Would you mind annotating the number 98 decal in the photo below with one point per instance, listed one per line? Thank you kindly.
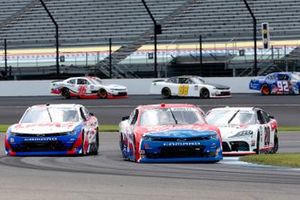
(283, 86)
(183, 90)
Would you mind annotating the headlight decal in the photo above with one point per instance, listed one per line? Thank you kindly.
(245, 133)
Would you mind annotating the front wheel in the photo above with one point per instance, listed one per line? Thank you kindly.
(166, 93)
(276, 144)
(204, 93)
(95, 146)
(258, 143)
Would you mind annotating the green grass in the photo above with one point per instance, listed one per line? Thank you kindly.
(280, 159)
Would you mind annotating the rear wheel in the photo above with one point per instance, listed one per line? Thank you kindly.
(65, 92)
(265, 90)
(102, 93)
(204, 93)
(166, 93)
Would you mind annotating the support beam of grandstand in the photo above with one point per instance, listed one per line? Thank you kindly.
(200, 54)
(254, 37)
(56, 35)
(110, 58)
(5, 56)
(155, 37)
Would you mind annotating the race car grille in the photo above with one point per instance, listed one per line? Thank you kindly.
(178, 152)
(40, 146)
(227, 93)
(235, 146)
(164, 139)
(40, 135)
(239, 146)
(122, 93)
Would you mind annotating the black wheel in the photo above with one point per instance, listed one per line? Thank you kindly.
(257, 143)
(265, 90)
(65, 92)
(83, 152)
(204, 93)
(276, 144)
(166, 93)
(95, 146)
(122, 147)
(102, 93)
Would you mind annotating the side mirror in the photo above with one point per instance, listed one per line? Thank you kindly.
(125, 118)
(271, 117)
(92, 114)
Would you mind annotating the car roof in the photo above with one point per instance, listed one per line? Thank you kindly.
(236, 108)
(84, 77)
(163, 105)
(186, 76)
(57, 106)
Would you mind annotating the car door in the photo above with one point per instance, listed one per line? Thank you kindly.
(90, 126)
(183, 86)
(128, 134)
(266, 137)
(83, 87)
(283, 83)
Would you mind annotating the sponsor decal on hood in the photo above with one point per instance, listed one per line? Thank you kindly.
(44, 128)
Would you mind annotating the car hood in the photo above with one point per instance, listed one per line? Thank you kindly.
(44, 128)
(228, 131)
(172, 130)
(219, 86)
(181, 133)
(116, 86)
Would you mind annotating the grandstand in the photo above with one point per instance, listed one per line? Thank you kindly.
(90, 23)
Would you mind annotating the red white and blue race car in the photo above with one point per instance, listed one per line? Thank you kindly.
(56, 129)
(87, 88)
(169, 133)
(245, 130)
(277, 83)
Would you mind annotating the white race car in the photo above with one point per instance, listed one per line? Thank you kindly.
(188, 86)
(87, 88)
(245, 130)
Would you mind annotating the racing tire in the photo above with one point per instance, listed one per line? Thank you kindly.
(65, 92)
(166, 93)
(204, 93)
(122, 147)
(276, 144)
(257, 151)
(83, 152)
(265, 90)
(102, 93)
(95, 146)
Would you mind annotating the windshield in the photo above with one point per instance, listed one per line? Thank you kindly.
(198, 80)
(48, 115)
(230, 117)
(167, 116)
(96, 80)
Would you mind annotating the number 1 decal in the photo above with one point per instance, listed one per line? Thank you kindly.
(183, 90)
(283, 86)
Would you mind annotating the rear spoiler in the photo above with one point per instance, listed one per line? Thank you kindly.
(160, 80)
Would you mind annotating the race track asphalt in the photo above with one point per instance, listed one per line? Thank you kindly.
(286, 109)
(107, 176)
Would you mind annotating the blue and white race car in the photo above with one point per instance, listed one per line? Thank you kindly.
(55, 129)
(277, 83)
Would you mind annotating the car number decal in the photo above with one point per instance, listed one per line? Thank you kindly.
(183, 90)
(283, 86)
(82, 90)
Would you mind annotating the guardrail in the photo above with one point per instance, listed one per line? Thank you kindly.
(135, 86)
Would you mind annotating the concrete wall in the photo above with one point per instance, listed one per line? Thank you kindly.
(135, 86)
